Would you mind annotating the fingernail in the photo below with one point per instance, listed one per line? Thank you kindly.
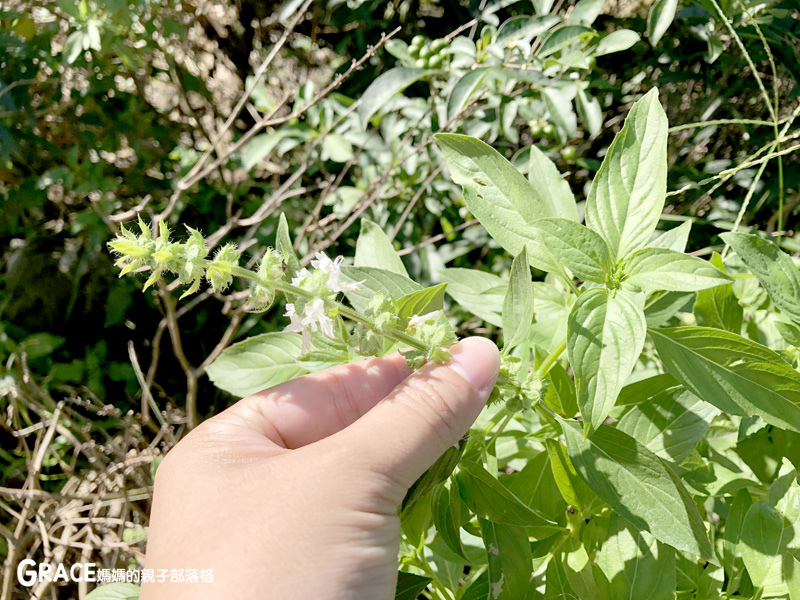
(477, 360)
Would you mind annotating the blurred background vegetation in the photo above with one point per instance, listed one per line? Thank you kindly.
(224, 115)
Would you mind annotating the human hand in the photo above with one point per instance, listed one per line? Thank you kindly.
(292, 493)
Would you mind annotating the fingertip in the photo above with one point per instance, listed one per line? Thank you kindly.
(477, 360)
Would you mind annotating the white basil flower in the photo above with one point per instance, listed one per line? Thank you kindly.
(334, 270)
(314, 318)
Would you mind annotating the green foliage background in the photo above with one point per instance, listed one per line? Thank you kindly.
(107, 109)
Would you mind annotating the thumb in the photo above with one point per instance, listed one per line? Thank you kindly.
(424, 415)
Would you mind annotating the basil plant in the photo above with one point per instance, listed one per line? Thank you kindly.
(642, 440)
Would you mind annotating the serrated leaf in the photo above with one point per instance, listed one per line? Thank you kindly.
(662, 12)
(552, 189)
(518, 303)
(498, 195)
(733, 373)
(478, 292)
(718, 307)
(373, 249)
(535, 485)
(627, 194)
(660, 307)
(509, 556)
(662, 269)
(774, 269)
(257, 363)
(385, 87)
(670, 423)
(731, 559)
(491, 500)
(605, 335)
(636, 564)
(638, 486)
(389, 283)
(581, 250)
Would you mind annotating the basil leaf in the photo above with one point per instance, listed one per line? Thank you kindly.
(491, 500)
(718, 307)
(373, 249)
(518, 303)
(773, 267)
(627, 194)
(662, 269)
(552, 189)
(510, 563)
(257, 363)
(636, 564)
(372, 280)
(478, 292)
(605, 335)
(385, 87)
(733, 373)
(577, 247)
(670, 423)
(421, 302)
(498, 195)
(638, 486)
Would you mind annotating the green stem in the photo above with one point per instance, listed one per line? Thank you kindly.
(500, 429)
(288, 288)
(552, 358)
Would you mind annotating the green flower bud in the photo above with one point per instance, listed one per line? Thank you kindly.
(437, 45)
(219, 271)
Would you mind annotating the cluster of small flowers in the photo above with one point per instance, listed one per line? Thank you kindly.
(313, 310)
(433, 330)
(369, 341)
(307, 315)
(518, 386)
(187, 260)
